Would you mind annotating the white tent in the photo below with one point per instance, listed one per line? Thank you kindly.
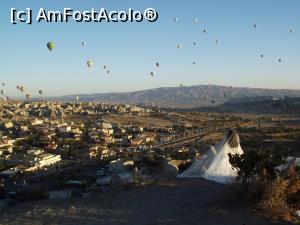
(215, 164)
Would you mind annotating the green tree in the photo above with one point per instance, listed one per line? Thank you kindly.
(257, 165)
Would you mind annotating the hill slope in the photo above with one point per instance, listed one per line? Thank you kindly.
(185, 97)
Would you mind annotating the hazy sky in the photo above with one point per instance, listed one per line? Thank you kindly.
(130, 50)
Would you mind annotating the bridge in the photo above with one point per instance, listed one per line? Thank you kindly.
(201, 132)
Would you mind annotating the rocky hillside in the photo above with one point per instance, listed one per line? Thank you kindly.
(187, 97)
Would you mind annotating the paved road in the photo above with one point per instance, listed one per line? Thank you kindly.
(203, 132)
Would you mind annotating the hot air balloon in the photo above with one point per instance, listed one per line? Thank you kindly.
(22, 89)
(217, 41)
(175, 19)
(195, 21)
(205, 31)
(2, 92)
(83, 44)
(194, 63)
(179, 46)
(261, 56)
(40, 92)
(280, 60)
(50, 46)
(108, 72)
(28, 96)
(254, 25)
(3, 84)
(104, 67)
(157, 64)
(18, 87)
(194, 43)
(152, 74)
(89, 64)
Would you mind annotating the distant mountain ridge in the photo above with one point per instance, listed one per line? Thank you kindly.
(187, 96)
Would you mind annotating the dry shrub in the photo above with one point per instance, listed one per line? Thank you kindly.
(274, 200)
(276, 193)
(281, 197)
(293, 194)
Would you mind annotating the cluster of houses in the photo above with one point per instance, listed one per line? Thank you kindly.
(52, 109)
(38, 139)
(34, 135)
(32, 160)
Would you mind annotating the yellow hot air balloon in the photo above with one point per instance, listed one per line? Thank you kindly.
(50, 46)
(89, 63)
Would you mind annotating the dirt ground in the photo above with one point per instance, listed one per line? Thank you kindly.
(138, 120)
(180, 202)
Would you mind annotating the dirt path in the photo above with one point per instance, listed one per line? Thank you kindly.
(184, 202)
